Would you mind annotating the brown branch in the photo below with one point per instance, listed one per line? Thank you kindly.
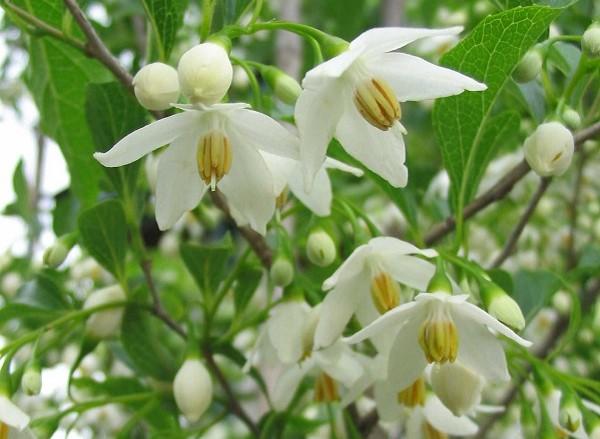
(516, 233)
(500, 189)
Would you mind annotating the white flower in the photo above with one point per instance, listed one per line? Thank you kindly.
(549, 149)
(210, 146)
(106, 323)
(205, 73)
(366, 283)
(11, 416)
(355, 95)
(440, 328)
(192, 389)
(288, 173)
(552, 402)
(156, 86)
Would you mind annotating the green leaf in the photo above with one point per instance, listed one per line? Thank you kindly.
(64, 214)
(111, 114)
(565, 57)
(533, 290)
(103, 232)
(22, 203)
(43, 293)
(246, 284)
(166, 18)
(207, 263)
(465, 126)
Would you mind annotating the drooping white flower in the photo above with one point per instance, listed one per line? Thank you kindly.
(156, 86)
(355, 97)
(11, 416)
(458, 387)
(441, 328)
(210, 146)
(288, 173)
(105, 323)
(366, 283)
(192, 389)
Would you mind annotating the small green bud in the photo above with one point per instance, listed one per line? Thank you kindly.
(320, 248)
(282, 272)
(333, 46)
(500, 305)
(529, 67)
(569, 416)
(56, 254)
(571, 118)
(440, 282)
(31, 381)
(285, 87)
(590, 41)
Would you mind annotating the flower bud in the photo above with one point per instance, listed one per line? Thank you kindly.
(105, 323)
(58, 252)
(156, 86)
(569, 416)
(282, 272)
(549, 149)
(440, 282)
(529, 67)
(31, 381)
(500, 305)
(571, 118)
(285, 87)
(205, 73)
(192, 389)
(320, 248)
(590, 41)
(458, 387)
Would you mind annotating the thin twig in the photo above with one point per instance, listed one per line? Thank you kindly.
(516, 233)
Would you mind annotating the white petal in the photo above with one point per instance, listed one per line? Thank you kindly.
(264, 133)
(318, 199)
(286, 386)
(553, 406)
(382, 152)
(340, 363)
(12, 415)
(477, 314)
(366, 313)
(336, 164)
(317, 113)
(443, 420)
(215, 108)
(409, 270)
(147, 139)
(282, 169)
(351, 266)
(479, 350)
(356, 389)
(385, 39)
(414, 79)
(179, 186)
(332, 68)
(406, 361)
(337, 308)
(386, 400)
(249, 185)
(387, 244)
(286, 328)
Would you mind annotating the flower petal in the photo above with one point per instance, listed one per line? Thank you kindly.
(147, 139)
(340, 363)
(179, 187)
(333, 68)
(409, 270)
(351, 266)
(382, 152)
(414, 79)
(264, 133)
(386, 400)
(406, 361)
(248, 186)
(282, 169)
(317, 113)
(286, 329)
(336, 164)
(337, 308)
(12, 415)
(385, 39)
(443, 420)
(286, 387)
(318, 199)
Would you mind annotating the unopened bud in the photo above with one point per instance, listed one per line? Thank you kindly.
(440, 282)
(562, 302)
(458, 387)
(156, 86)
(282, 272)
(500, 305)
(192, 389)
(549, 150)
(320, 248)
(571, 118)
(529, 67)
(31, 382)
(56, 254)
(205, 73)
(285, 87)
(569, 416)
(590, 41)
(105, 323)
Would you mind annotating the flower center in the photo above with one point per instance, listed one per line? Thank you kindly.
(430, 432)
(213, 156)
(377, 103)
(413, 395)
(326, 389)
(3, 431)
(385, 292)
(438, 337)
(282, 198)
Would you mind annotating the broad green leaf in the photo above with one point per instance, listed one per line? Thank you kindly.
(466, 127)
(42, 292)
(34, 316)
(565, 56)
(103, 232)
(166, 17)
(207, 263)
(247, 282)
(533, 290)
(111, 114)
(22, 204)
(64, 214)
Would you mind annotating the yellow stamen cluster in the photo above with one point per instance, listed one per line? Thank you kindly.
(414, 394)
(326, 389)
(385, 292)
(3, 431)
(438, 338)
(377, 103)
(430, 432)
(281, 198)
(213, 156)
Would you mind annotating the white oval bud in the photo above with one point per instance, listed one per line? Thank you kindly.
(205, 73)
(320, 248)
(282, 272)
(31, 382)
(590, 41)
(56, 254)
(457, 387)
(549, 149)
(505, 309)
(529, 67)
(192, 389)
(105, 323)
(156, 86)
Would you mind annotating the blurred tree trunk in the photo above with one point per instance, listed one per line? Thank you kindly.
(288, 54)
(392, 12)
